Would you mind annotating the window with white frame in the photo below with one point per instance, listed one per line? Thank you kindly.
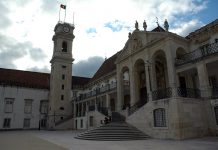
(7, 123)
(26, 122)
(216, 114)
(43, 106)
(28, 106)
(9, 105)
(159, 117)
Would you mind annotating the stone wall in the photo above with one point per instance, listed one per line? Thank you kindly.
(19, 94)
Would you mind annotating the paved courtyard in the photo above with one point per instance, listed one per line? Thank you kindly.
(64, 140)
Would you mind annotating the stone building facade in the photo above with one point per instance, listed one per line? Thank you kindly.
(164, 84)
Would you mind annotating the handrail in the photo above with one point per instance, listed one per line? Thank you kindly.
(188, 92)
(64, 120)
(162, 93)
(136, 106)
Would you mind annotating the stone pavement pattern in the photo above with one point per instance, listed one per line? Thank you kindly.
(62, 140)
(22, 140)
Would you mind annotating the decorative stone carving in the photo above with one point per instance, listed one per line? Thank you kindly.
(136, 25)
(166, 25)
(144, 25)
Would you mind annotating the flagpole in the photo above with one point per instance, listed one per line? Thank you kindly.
(65, 15)
(59, 14)
(73, 18)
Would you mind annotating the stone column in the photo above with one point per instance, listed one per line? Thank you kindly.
(119, 89)
(74, 108)
(133, 97)
(203, 79)
(171, 70)
(148, 81)
(82, 108)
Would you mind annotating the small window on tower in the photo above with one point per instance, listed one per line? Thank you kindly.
(63, 76)
(62, 87)
(63, 66)
(62, 97)
(64, 46)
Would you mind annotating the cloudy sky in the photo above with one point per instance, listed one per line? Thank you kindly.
(102, 27)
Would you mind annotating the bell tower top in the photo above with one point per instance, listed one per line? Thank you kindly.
(63, 28)
(63, 40)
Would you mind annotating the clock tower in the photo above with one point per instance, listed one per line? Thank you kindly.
(60, 106)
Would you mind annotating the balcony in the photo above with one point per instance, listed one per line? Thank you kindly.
(188, 92)
(104, 89)
(197, 54)
(162, 94)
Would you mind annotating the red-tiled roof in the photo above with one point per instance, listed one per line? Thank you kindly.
(32, 79)
(107, 67)
(79, 81)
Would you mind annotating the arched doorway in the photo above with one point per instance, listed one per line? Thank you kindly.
(160, 70)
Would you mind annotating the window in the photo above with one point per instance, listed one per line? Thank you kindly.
(91, 121)
(26, 123)
(62, 97)
(81, 123)
(61, 108)
(159, 117)
(63, 66)
(62, 118)
(28, 106)
(63, 76)
(64, 46)
(7, 123)
(43, 106)
(9, 105)
(216, 114)
(62, 87)
(43, 123)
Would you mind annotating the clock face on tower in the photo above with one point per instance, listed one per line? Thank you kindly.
(66, 29)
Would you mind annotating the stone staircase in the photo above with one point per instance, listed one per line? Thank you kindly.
(117, 130)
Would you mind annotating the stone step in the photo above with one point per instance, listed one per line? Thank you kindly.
(113, 132)
(112, 138)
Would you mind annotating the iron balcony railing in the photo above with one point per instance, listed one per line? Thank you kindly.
(106, 88)
(188, 92)
(162, 94)
(197, 54)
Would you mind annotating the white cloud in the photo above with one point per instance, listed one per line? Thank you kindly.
(184, 28)
(33, 21)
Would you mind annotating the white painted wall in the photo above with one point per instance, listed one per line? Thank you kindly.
(18, 115)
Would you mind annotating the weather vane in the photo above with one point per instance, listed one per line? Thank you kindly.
(157, 22)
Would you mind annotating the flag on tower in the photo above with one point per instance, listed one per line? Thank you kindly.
(63, 6)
